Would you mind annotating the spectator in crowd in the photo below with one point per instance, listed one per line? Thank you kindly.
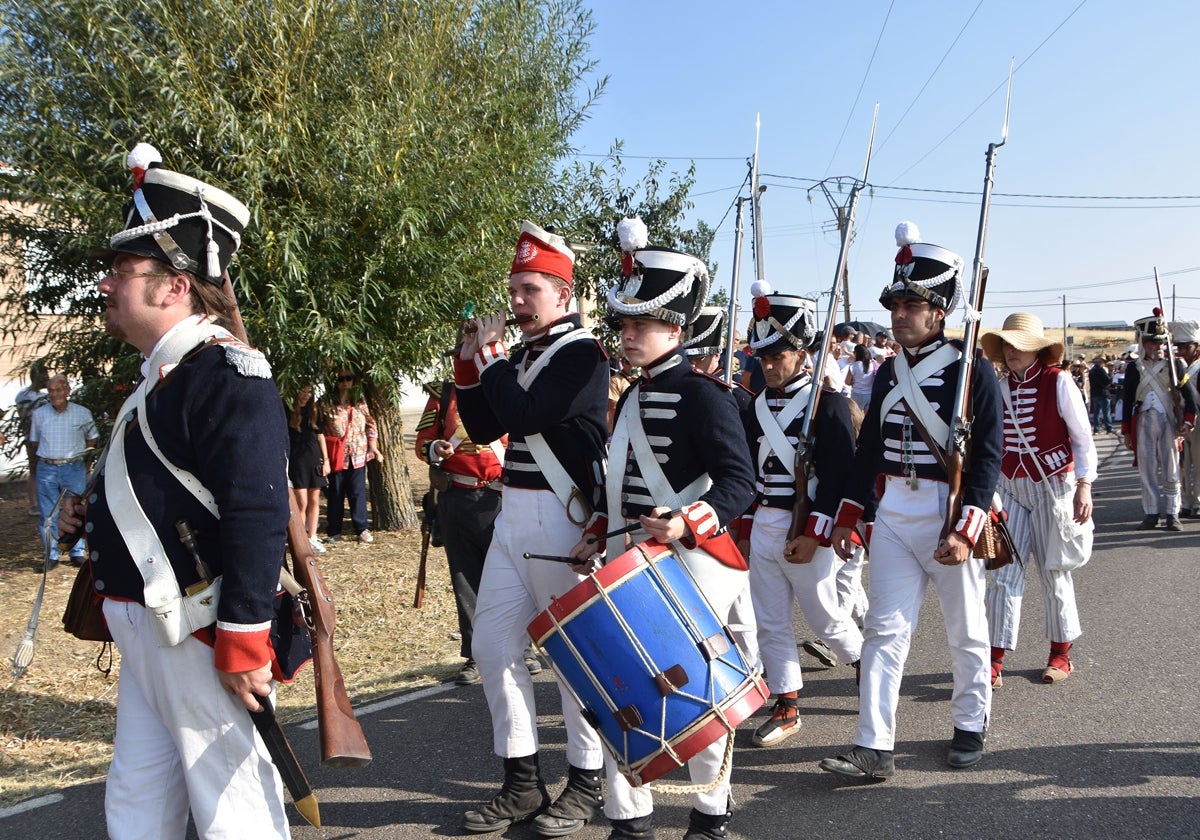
(882, 348)
(861, 376)
(63, 433)
(351, 440)
(29, 398)
(308, 461)
(1099, 381)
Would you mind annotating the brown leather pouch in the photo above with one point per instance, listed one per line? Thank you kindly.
(83, 617)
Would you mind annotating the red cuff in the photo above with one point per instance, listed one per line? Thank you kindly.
(819, 527)
(236, 651)
(970, 526)
(488, 355)
(701, 521)
(848, 514)
(466, 375)
(597, 526)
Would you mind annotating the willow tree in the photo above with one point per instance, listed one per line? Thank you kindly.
(387, 151)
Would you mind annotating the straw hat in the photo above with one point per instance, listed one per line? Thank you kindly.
(1024, 332)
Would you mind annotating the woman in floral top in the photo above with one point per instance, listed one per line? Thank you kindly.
(351, 440)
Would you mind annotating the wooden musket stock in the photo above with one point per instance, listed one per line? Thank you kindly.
(342, 741)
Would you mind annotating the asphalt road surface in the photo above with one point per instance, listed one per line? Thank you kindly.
(1113, 752)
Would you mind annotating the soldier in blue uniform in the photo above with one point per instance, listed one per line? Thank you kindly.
(550, 397)
(202, 444)
(803, 571)
(913, 398)
(694, 460)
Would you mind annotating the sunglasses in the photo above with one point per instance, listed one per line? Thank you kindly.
(345, 379)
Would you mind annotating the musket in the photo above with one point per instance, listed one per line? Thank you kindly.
(342, 741)
(804, 447)
(960, 430)
(1176, 394)
(426, 536)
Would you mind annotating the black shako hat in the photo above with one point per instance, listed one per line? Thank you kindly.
(658, 283)
(781, 322)
(923, 271)
(706, 336)
(178, 219)
(1152, 327)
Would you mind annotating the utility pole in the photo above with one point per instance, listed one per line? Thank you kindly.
(1066, 343)
(842, 221)
(731, 325)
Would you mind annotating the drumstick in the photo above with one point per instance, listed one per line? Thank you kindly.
(557, 558)
(635, 526)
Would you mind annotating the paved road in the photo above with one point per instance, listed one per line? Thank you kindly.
(1113, 752)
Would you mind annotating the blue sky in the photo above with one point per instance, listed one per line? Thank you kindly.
(1104, 104)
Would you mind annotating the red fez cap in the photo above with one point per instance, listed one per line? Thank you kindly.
(541, 250)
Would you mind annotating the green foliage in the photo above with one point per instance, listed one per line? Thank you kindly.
(386, 150)
(591, 198)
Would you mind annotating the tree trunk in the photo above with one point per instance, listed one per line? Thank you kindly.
(390, 485)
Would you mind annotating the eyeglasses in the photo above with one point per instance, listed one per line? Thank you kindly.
(121, 274)
(345, 379)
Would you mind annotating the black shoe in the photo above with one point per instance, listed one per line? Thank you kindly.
(703, 826)
(862, 763)
(469, 675)
(1185, 513)
(578, 804)
(966, 749)
(638, 828)
(1171, 523)
(522, 795)
(821, 652)
(1149, 523)
(532, 663)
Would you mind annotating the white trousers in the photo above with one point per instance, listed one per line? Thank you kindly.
(183, 740)
(1189, 471)
(723, 588)
(1158, 463)
(1006, 586)
(906, 533)
(852, 597)
(513, 592)
(775, 584)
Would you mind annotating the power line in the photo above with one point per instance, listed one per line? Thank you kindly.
(861, 85)
(1026, 60)
(945, 55)
(1063, 197)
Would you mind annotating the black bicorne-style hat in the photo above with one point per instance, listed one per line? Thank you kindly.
(1153, 327)
(178, 219)
(706, 334)
(658, 283)
(781, 322)
(923, 271)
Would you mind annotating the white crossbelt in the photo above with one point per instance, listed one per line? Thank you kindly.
(177, 616)
(549, 465)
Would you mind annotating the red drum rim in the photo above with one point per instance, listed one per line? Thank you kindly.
(745, 701)
(591, 589)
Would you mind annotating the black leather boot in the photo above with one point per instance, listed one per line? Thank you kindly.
(703, 826)
(521, 796)
(638, 828)
(578, 804)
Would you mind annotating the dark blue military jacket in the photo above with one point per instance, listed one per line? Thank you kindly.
(692, 423)
(833, 448)
(882, 451)
(567, 403)
(230, 431)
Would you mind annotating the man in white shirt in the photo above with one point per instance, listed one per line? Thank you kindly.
(62, 433)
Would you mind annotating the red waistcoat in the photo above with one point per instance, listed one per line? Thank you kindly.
(1035, 402)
